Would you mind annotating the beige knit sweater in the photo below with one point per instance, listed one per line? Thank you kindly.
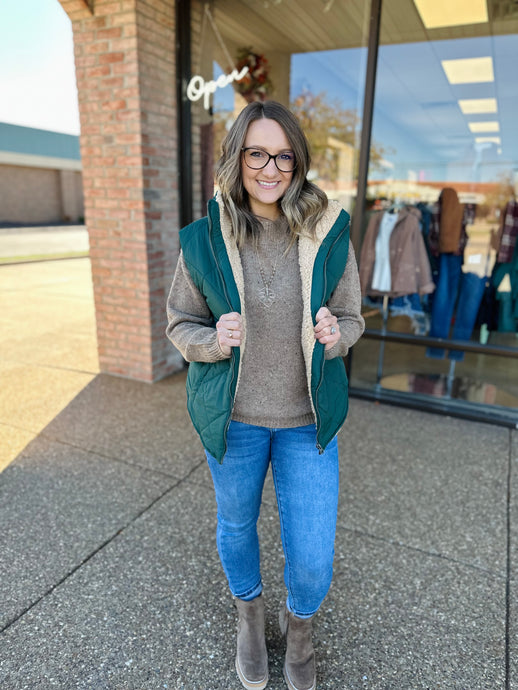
(273, 388)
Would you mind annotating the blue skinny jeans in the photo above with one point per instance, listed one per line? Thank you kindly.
(306, 486)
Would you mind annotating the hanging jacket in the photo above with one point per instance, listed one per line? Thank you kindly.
(409, 264)
(448, 227)
(212, 259)
(507, 233)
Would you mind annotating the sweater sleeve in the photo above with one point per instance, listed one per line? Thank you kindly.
(191, 325)
(345, 304)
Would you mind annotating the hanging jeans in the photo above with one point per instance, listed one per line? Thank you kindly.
(454, 288)
(444, 298)
(306, 486)
(470, 296)
(411, 306)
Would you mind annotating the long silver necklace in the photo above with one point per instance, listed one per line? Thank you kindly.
(266, 294)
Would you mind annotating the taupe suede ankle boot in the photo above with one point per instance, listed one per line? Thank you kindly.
(299, 666)
(251, 657)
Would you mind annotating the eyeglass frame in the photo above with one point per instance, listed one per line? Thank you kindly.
(270, 156)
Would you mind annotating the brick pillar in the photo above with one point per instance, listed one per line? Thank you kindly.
(125, 69)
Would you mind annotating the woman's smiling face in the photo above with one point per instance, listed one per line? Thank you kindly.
(266, 186)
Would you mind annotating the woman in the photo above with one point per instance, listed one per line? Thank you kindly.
(264, 303)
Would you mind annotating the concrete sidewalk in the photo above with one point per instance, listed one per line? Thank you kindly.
(40, 242)
(109, 573)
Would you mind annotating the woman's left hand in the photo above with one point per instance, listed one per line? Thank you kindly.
(327, 330)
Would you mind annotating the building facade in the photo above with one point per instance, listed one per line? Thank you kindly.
(409, 109)
(40, 177)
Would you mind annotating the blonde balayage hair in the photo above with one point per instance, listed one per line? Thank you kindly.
(303, 204)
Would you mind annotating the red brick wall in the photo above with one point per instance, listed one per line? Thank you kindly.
(198, 46)
(125, 68)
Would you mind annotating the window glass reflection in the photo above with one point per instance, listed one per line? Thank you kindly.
(442, 201)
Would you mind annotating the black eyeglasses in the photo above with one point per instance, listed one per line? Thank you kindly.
(258, 159)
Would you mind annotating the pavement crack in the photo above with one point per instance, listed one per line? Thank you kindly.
(98, 549)
(106, 456)
(425, 552)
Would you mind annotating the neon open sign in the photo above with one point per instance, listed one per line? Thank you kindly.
(199, 88)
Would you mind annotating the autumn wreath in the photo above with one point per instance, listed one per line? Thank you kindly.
(256, 84)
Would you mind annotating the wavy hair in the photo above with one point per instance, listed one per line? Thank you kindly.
(303, 204)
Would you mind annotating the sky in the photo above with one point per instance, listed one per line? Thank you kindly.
(37, 76)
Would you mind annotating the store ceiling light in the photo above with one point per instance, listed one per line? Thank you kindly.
(476, 127)
(490, 140)
(440, 13)
(471, 106)
(469, 70)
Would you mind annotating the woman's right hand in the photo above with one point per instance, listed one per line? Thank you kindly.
(230, 331)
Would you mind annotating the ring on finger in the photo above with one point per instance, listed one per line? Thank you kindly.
(332, 330)
(230, 334)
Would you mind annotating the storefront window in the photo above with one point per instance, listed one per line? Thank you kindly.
(309, 55)
(439, 256)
